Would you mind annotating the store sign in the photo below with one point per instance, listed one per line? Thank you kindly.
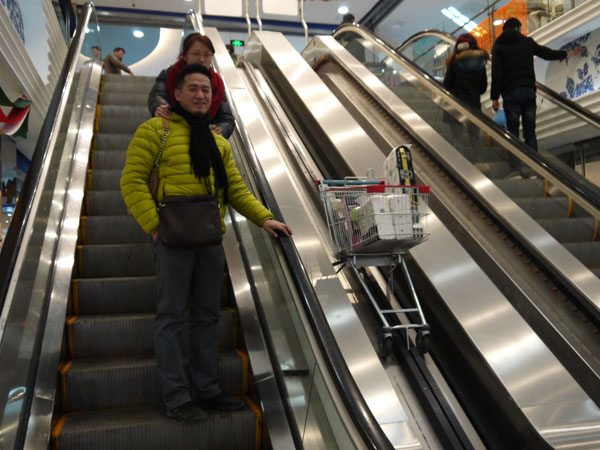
(282, 7)
(231, 8)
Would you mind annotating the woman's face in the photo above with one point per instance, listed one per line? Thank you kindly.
(198, 53)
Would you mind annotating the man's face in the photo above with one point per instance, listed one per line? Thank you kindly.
(195, 94)
(96, 52)
(120, 54)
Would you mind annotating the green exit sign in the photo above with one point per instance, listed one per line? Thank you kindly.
(237, 43)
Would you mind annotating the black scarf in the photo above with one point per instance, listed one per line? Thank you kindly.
(204, 152)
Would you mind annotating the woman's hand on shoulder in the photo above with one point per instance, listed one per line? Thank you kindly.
(163, 111)
(272, 226)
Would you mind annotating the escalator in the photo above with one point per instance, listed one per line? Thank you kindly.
(472, 314)
(77, 290)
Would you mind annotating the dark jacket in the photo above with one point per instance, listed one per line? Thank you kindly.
(112, 64)
(466, 76)
(512, 61)
(159, 95)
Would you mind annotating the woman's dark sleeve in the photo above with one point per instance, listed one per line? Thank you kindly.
(449, 77)
(483, 83)
(159, 94)
(224, 119)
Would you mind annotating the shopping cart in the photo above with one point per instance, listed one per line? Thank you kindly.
(374, 224)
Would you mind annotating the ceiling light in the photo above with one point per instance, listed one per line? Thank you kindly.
(447, 13)
(138, 33)
(87, 30)
(498, 22)
(343, 10)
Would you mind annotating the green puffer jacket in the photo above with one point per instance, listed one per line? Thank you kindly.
(175, 174)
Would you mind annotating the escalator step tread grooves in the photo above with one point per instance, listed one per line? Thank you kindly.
(109, 392)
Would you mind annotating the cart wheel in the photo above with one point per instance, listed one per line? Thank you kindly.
(385, 346)
(423, 341)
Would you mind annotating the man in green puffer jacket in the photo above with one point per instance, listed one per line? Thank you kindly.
(193, 161)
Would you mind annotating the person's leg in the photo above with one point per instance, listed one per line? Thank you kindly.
(529, 112)
(173, 275)
(205, 296)
(512, 109)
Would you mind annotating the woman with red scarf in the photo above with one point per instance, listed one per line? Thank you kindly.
(197, 48)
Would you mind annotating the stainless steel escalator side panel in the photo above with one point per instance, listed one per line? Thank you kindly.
(550, 249)
(532, 375)
(74, 169)
(277, 427)
(310, 238)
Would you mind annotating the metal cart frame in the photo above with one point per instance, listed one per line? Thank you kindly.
(374, 224)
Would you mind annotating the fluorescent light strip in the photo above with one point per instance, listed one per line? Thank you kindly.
(459, 19)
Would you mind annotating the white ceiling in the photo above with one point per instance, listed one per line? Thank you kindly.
(315, 11)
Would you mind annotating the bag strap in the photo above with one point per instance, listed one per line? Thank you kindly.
(162, 142)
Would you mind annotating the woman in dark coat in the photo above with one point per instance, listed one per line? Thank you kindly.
(197, 48)
(466, 78)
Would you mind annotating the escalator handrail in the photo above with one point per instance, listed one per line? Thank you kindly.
(584, 192)
(562, 102)
(362, 417)
(16, 230)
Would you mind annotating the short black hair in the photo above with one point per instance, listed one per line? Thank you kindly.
(348, 18)
(511, 23)
(119, 48)
(190, 69)
(96, 47)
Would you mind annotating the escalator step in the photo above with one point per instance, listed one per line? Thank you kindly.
(586, 252)
(104, 180)
(123, 98)
(544, 207)
(111, 230)
(570, 230)
(105, 261)
(114, 295)
(129, 334)
(105, 203)
(129, 382)
(131, 111)
(109, 159)
(528, 187)
(150, 429)
(120, 125)
(114, 141)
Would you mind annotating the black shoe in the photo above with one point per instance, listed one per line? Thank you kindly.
(223, 403)
(188, 412)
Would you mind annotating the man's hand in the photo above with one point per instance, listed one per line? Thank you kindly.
(576, 51)
(495, 105)
(217, 130)
(271, 226)
(163, 111)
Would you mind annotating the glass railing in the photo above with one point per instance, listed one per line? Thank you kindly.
(319, 425)
(26, 286)
(563, 128)
(482, 18)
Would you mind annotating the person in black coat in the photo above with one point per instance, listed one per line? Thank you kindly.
(466, 78)
(513, 77)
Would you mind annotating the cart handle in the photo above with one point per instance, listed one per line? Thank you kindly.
(372, 186)
(348, 182)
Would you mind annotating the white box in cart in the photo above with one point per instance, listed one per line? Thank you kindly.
(400, 207)
(374, 218)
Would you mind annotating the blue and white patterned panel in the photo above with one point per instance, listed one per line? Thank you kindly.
(578, 75)
(14, 12)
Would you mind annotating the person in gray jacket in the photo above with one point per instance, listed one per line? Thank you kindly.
(197, 48)
(113, 64)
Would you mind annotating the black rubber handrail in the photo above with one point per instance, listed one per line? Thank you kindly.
(16, 229)
(357, 407)
(373, 436)
(568, 178)
(562, 102)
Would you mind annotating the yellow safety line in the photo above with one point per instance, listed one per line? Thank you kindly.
(57, 430)
(80, 259)
(570, 209)
(63, 381)
(245, 368)
(596, 226)
(258, 422)
(70, 341)
(546, 187)
(75, 295)
(83, 230)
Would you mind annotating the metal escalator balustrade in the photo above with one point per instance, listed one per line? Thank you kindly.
(546, 189)
(470, 302)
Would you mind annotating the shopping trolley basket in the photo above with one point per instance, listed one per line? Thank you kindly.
(374, 224)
